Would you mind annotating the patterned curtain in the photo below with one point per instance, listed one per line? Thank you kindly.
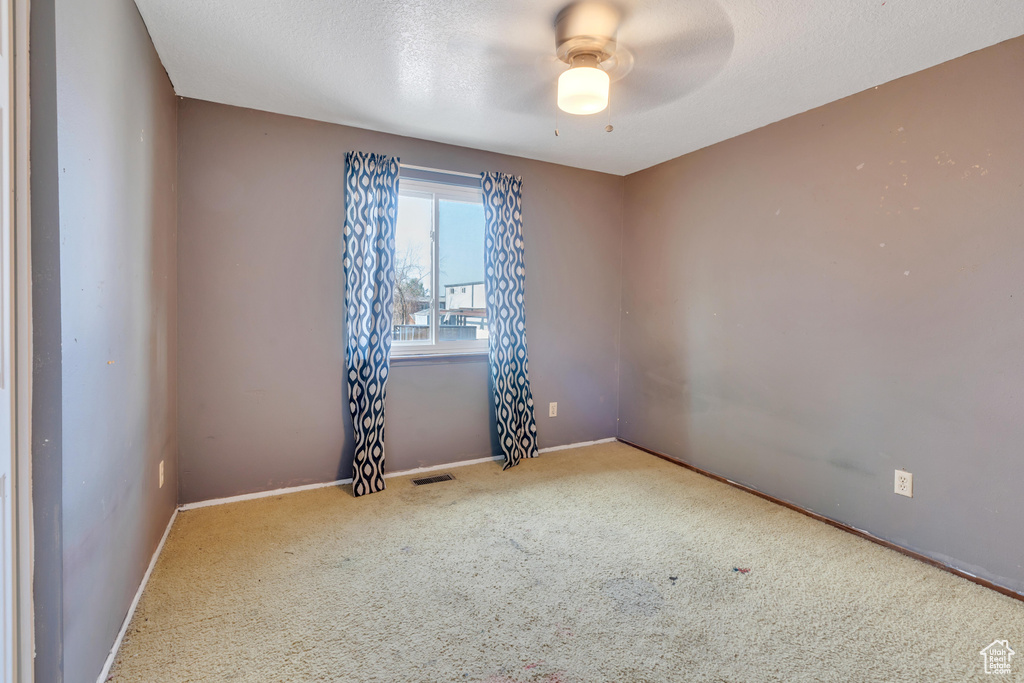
(505, 274)
(371, 211)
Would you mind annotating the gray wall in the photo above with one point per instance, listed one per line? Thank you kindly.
(261, 306)
(116, 132)
(769, 337)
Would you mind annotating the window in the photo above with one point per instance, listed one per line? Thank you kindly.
(439, 248)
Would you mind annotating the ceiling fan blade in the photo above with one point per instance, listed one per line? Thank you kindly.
(517, 79)
(669, 69)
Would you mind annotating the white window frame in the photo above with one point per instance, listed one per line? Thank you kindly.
(436, 192)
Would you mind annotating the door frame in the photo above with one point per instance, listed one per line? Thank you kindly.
(21, 343)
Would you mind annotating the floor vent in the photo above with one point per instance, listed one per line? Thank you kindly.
(432, 480)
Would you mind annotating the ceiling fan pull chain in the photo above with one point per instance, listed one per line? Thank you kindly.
(609, 128)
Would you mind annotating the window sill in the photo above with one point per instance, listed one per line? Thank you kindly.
(432, 358)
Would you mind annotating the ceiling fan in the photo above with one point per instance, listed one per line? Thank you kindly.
(586, 39)
(679, 47)
(652, 52)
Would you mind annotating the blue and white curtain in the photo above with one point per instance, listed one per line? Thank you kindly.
(371, 213)
(505, 276)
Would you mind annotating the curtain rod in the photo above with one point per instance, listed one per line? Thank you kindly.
(439, 170)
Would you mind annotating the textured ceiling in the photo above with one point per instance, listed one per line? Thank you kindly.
(481, 73)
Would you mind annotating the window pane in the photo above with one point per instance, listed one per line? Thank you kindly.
(412, 268)
(463, 302)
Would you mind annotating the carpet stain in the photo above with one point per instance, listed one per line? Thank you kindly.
(555, 677)
(634, 597)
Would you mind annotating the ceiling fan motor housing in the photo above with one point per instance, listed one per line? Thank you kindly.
(586, 28)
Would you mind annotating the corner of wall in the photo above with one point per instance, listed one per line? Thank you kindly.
(622, 284)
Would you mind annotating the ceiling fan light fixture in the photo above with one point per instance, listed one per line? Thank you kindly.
(583, 87)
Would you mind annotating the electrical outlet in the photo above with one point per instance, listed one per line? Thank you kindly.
(552, 410)
(161, 474)
(904, 483)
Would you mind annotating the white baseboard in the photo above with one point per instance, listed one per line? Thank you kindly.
(342, 482)
(135, 603)
(581, 444)
(262, 494)
(448, 466)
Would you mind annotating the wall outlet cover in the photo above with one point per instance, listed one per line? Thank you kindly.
(904, 485)
(552, 410)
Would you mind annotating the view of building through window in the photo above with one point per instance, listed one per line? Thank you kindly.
(439, 272)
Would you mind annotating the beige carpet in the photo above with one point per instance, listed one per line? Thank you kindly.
(599, 564)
